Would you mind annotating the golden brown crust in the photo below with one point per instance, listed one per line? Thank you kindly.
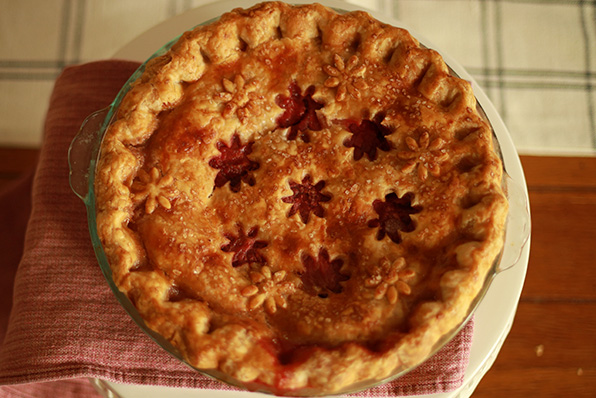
(300, 199)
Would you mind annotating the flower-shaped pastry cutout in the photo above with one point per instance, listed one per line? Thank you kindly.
(245, 247)
(238, 96)
(153, 188)
(367, 137)
(233, 164)
(322, 275)
(268, 289)
(300, 112)
(394, 216)
(306, 198)
(424, 155)
(390, 280)
(346, 77)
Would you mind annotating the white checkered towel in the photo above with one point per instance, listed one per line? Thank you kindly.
(535, 59)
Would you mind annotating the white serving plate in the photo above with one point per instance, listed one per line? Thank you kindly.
(493, 317)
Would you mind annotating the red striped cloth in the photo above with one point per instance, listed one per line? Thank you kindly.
(65, 323)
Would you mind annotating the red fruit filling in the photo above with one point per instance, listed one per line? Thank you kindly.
(394, 216)
(299, 113)
(367, 137)
(245, 247)
(233, 164)
(306, 199)
(322, 276)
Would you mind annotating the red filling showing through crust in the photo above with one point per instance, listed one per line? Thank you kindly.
(306, 199)
(233, 164)
(322, 275)
(300, 112)
(367, 137)
(394, 216)
(245, 247)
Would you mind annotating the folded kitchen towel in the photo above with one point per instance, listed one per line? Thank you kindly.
(66, 325)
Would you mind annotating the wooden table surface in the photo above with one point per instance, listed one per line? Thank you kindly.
(551, 350)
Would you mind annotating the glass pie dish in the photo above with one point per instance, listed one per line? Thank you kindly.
(83, 158)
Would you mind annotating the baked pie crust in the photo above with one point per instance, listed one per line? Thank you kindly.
(300, 200)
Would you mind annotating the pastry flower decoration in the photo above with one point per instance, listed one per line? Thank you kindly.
(153, 188)
(238, 96)
(390, 280)
(346, 77)
(424, 155)
(268, 289)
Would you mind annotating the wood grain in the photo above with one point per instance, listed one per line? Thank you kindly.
(541, 337)
(560, 173)
(563, 247)
(551, 349)
(538, 383)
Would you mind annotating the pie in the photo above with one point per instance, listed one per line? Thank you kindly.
(301, 201)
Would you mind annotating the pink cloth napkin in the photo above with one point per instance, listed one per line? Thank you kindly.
(65, 324)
